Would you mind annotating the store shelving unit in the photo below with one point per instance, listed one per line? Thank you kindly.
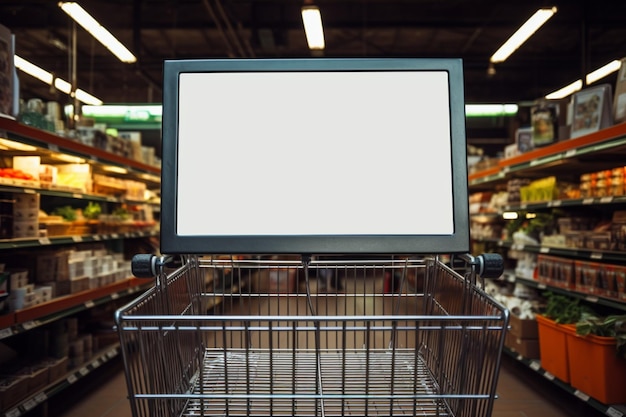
(566, 160)
(16, 323)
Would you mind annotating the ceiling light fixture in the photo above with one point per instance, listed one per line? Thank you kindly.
(59, 83)
(313, 29)
(91, 25)
(522, 34)
(590, 78)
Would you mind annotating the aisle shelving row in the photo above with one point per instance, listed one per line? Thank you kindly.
(74, 376)
(567, 160)
(106, 236)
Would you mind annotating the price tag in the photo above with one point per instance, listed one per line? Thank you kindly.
(96, 363)
(29, 325)
(53, 147)
(591, 299)
(8, 332)
(557, 203)
(44, 241)
(606, 200)
(29, 191)
(111, 353)
(612, 412)
(544, 249)
(97, 237)
(535, 162)
(114, 236)
(77, 239)
(596, 255)
(115, 296)
(581, 395)
(30, 404)
(542, 286)
(523, 206)
(41, 397)
(90, 304)
(549, 376)
(535, 366)
(83, 371)
(13, 413)
(76, 195)
(588, 201)
(72, 378)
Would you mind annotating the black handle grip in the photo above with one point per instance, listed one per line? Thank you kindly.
(491, 265)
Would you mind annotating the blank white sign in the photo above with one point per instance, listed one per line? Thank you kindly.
(314, 153)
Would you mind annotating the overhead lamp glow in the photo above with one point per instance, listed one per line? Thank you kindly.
(59, 83)
(522, 34)
(486, 110)
(33, 70)
(91, 25)
(87, 98)
(313, 29)
(592, 77)
(602, 72)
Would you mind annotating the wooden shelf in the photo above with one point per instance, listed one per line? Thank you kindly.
(38, 315)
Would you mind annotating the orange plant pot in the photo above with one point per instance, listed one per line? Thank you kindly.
(596, 369)
(553, 349)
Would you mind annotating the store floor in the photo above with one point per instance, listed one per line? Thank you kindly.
(521, 393)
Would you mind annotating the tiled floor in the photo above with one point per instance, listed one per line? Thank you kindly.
(521, 393)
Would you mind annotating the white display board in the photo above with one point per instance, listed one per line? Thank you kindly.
(314, 153)
(314, 156)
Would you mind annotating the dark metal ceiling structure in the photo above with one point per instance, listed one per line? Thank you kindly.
(582, 36)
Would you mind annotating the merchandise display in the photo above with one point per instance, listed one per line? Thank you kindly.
(68, 232)
(564, 234)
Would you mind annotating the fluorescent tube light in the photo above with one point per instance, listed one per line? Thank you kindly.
(91, 25)
(59, 83)
(602, 72)
(486, 110)
(565, 91)
(522, 34)
(87, 98)
(33, 70)
(312, 20)
(591, 78)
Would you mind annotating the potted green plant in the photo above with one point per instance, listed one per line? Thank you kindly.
(554, 324)
(597, 357)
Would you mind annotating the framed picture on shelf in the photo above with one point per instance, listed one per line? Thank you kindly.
(619, 104)
(592, 110)
(544, 125)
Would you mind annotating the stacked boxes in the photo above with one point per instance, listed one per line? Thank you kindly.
(523, 337)
(60, 272)
(26, 215)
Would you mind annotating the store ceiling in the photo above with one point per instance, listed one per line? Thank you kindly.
(582, 36)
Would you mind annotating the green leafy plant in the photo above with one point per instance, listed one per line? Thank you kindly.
(92, 211)
(609, 326)
(68, 213)
(563, 309)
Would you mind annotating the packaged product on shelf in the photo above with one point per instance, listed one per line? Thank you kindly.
(618, 231)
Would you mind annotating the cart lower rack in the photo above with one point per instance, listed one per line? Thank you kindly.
(264, 337)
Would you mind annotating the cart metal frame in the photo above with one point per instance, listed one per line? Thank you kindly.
(219, 336)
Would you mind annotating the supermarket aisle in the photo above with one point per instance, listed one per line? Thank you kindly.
(521, 393)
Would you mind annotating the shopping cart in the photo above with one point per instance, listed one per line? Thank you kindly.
(267, 337)
(339, 316)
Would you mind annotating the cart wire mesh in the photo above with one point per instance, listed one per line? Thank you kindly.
(302, 337)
